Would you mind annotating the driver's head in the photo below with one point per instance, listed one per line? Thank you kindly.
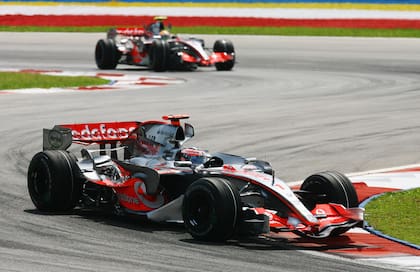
(159, 20)
(193, 155)
(164, 34)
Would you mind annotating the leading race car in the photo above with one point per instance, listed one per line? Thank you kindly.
(155, 47)
(143, 168)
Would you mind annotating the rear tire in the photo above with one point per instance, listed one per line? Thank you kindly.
(336, 187)
(224, 46)
(54, 181)
(211, 209)
(106, 54)
(159, 54)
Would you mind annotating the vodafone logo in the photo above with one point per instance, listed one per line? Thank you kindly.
(131, 31)
(101, 131)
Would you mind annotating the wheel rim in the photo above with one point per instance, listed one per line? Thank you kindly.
(321, 189)
(41, 184)
(201, 212)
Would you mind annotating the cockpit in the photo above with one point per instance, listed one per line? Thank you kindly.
(158, 140)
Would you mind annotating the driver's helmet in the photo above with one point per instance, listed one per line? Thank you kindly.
(194, 155)
(158, 26)
(164, 34)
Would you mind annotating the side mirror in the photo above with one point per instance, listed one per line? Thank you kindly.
(188, 131)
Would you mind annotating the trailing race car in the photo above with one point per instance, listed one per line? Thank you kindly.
(156, 48)
(143, 168)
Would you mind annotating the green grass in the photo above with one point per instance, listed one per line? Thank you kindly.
(15, 80)
(284, 31)
(396, 214)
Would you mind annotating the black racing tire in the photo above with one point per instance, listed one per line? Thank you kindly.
(337, 189)
(159, 55)
(224, 46)
(211, 209)
(54, 182)
(106, 54)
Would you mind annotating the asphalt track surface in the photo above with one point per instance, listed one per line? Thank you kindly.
(306, 104)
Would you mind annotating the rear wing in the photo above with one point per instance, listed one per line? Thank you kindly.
(149, 137)
(62, 136)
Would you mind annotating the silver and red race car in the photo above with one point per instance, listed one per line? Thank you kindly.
(154, 47)
(143, 168)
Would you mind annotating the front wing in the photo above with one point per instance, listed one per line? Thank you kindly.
(330, 217)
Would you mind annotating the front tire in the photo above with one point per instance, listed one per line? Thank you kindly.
(211, 209)
(106, 54)
(159, 55)
(335, 187)
(224, 46)
(54, 181)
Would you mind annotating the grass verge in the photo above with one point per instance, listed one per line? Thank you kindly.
(281, 31)
(16, 80)
(396, 214)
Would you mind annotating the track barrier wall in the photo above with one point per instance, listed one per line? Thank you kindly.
(338, 14)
